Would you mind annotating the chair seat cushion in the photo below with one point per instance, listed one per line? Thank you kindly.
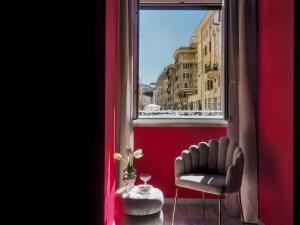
(210, 183)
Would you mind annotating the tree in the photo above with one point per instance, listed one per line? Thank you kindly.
(183, 100)
(143, 101)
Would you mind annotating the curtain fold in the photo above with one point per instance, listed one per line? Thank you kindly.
(242, 97)
(125, 83)
(232, 17)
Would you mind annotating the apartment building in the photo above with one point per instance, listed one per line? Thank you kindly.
(193, 82)
(208, 40)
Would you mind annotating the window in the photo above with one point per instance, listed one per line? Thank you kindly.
(168, 60)
(186, 66)
(186, 76)
(210, 85)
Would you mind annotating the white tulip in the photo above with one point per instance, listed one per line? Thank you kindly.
(138, 154)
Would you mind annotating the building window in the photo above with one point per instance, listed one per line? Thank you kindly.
(186, 66)
(162, 72)
(186, 76)
(210, 85)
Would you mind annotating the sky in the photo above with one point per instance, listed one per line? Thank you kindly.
(161, 33)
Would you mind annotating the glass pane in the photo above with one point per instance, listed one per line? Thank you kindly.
(180, 56)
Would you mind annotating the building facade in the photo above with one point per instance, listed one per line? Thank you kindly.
(193, 81)
(185, 81)
(208, 39)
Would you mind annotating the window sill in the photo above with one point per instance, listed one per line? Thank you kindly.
(179, 123)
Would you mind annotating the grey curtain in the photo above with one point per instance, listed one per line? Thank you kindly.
(125, 83)
(242, 97)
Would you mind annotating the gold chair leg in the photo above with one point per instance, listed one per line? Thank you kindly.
(220, 213)
(240, 200)
(203, 204)
(174, 209)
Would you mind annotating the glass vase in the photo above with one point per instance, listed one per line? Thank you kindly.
(129, 175)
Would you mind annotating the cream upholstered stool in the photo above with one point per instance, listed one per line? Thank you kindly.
(215, 167)
(141, 208)
(153, 219)
(138, 203)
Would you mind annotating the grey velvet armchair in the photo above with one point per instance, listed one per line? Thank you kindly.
(215, 167)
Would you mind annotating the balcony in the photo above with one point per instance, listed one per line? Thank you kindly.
(209, 68)
(187, 90)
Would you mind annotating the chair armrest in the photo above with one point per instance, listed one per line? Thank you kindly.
(234, 174)
(179, 167)
(231, 179)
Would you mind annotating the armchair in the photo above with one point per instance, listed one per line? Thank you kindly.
(215, 167)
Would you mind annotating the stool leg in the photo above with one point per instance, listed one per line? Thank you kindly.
(220, 213)
(239, 195)
(174, 209)
(203, 199)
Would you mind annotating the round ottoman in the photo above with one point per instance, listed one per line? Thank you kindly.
(138, 203)
(153, 219)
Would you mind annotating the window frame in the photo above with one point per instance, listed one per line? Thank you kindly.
(195, 122)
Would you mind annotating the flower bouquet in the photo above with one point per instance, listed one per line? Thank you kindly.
(129, 173)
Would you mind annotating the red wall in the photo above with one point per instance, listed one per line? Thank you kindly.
(111, 72)
(276, 111)
(161, 146)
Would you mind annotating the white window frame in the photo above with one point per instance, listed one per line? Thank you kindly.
(178, 122)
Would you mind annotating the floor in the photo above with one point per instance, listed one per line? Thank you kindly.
(191, 214)
(186, 214)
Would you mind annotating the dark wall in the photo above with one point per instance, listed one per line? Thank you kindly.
(74, 82)
(57, 103)
(86, 96)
